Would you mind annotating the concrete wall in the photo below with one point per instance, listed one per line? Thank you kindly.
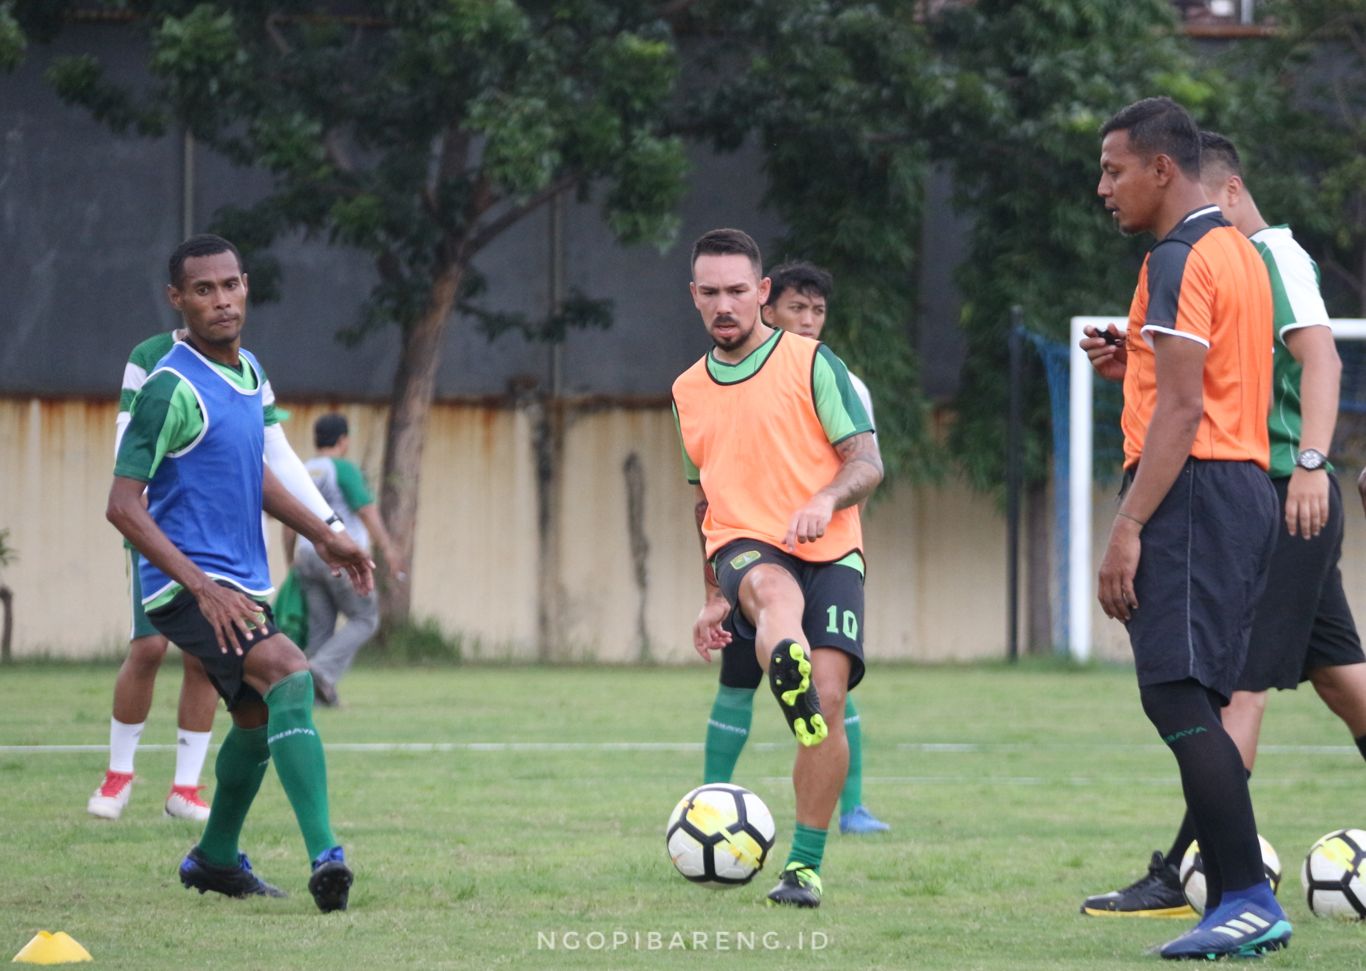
(620, 592)
(624, 593)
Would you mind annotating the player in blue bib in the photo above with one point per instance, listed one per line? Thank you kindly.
(194, 443)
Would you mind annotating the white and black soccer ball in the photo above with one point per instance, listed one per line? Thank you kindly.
(1334, 884)
(719, 835)
(1193, 872)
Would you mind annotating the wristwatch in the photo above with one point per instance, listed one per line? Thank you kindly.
(1311, 459)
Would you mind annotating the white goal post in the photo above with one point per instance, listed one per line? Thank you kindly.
(1081, 578)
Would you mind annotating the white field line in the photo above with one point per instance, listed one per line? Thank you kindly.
(929, 748)
(935, 747)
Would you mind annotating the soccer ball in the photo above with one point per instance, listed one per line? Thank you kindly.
(1193, 872)
(719, 835)
(1332, 875)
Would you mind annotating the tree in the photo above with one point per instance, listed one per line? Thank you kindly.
(1300, 117)
(419, 135)
(836, 95)
(1031, 84)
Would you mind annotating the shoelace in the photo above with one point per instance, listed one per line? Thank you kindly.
(113, 785)
(190, 794)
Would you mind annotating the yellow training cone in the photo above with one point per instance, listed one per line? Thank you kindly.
(49, 948)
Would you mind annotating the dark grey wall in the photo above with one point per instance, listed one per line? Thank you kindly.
(87, 220)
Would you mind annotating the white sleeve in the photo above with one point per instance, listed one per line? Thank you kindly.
(134, 377)
(289, 469)
(120, 426)
(864, 397)
(1300, 282)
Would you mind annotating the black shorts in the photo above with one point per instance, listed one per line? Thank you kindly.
(1303, 621)
(182, 623)
(1201, 572)
(833, 593)
(739, 664)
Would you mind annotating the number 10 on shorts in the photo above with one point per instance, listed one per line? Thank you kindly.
(850, 629)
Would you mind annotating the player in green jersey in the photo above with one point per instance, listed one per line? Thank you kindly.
(331, 651)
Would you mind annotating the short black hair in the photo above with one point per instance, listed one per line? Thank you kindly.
(1160, 125)
(805, 278)
(1217, 150)
(205, 244)
(329, 429)
(724, 242)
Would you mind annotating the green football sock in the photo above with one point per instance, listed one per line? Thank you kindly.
(238, 771)
(299, 759)
(727, 732)
(852, 794)
(808, 847)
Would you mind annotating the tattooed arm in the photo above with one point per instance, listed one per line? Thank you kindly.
(855, 481)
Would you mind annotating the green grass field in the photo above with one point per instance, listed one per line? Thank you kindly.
(532, 835)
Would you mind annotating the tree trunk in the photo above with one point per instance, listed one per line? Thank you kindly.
(634, 471)
(411, 403)
(1038, 543)
(548, 423)
(7, 624)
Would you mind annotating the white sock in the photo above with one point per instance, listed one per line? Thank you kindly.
(123, 745)
(190, 750)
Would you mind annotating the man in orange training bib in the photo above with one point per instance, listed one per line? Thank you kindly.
(781, 452)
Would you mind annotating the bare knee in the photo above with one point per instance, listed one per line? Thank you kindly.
(145, 655)
(251, 714)
(1247, 703)
(831, 675)
(1343, 690)
(1328, 685)
(271, 661)
(769, 594)
(194, 668)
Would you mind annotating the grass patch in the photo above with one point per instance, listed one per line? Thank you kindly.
(415, 641)
(516, 821)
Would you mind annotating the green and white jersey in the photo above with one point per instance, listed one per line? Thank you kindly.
(343, 486)
(839, 406)
(143, 360)
(864, 397)
(1297, 303)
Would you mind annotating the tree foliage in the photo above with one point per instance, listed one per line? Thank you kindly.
(1301, 116)
(1031, 84)
(422, 130)
(12, 39)
(418, 133)
(834, 94)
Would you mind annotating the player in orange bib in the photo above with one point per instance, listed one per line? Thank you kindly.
(782, 452)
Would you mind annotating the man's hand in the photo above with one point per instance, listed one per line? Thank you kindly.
(398, 567)
(809, 522)
(707, 633)
(1107, 355)
(230, 612)
(1117, 569)
(340, 552)
(1306, 502)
